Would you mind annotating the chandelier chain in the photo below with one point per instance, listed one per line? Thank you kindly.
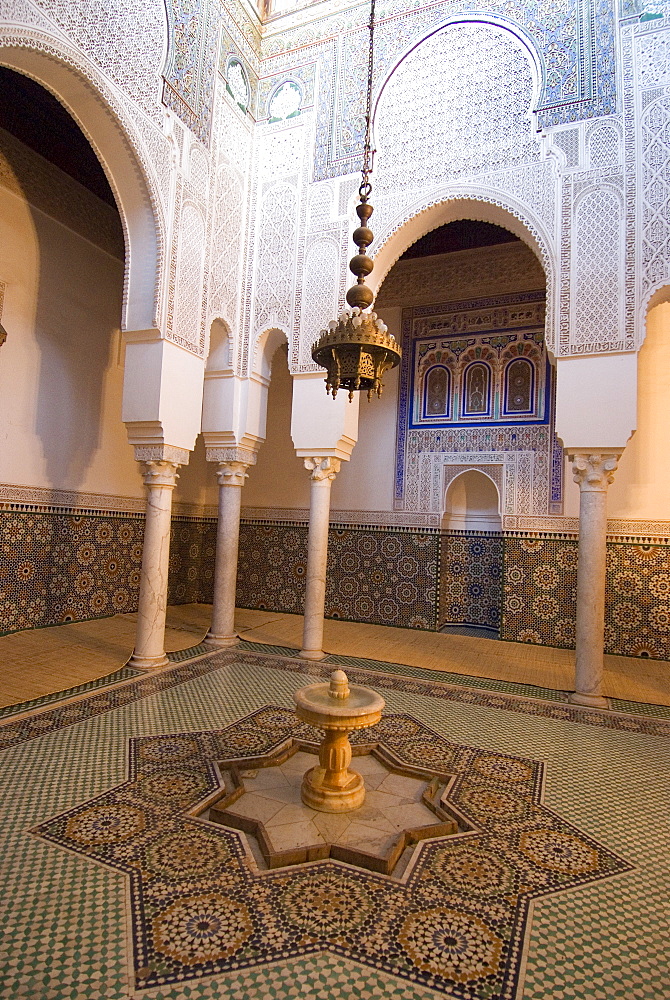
(366, 187)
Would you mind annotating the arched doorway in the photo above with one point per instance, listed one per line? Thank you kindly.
(84, 93)
(471, 551)
(62, 260)
(472, 503)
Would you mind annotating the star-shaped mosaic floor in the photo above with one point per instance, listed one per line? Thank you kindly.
(455, 921)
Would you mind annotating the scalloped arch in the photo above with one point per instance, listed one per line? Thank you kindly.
(535, 56)
(480, 205)
(84, 92)
(656, 296)
(265, 347)
(452, 474)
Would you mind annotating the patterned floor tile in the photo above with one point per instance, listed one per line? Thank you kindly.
(65, 926)
(456, 923)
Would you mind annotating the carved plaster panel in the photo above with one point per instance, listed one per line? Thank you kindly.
(321, 278)
(226, 246)
(508, 267)
(655, 168)
(124, 39)
(598, 272)
(275, 263)
(186, 316)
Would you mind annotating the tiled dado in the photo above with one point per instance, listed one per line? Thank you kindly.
(540, 586)
(59, 567)
(470, 579)
(381, 576)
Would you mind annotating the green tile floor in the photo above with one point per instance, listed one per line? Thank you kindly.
(64, 919)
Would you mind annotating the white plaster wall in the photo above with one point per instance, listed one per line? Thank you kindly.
(641, 487)
(61, 367)
(366, 482)
(197, 482)
(279, 478)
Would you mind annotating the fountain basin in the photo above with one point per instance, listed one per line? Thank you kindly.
(337, 708)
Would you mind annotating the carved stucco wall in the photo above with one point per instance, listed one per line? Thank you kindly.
(441, 137)
(272, 200)
(436, 125)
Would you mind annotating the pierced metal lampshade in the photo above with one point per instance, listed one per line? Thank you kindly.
(356, 350)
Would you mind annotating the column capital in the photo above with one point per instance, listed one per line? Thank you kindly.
(160, 473)
(322, 468)
(246, 456)
(232, 473)
(593, 471)
(161, 453)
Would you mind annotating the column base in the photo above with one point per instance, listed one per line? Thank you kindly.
(148, 662)
(312, 654)
(324, 798)
(588, 700)
(218, 641)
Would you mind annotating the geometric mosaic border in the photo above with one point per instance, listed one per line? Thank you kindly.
(17, 731)
(124, 673)
(455, 922)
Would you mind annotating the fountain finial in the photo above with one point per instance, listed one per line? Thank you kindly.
(339, 685)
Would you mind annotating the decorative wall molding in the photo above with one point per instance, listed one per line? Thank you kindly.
(367, 518)
(44, 500)
(500, 270)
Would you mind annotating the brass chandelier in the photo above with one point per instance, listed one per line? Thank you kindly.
(357, 349)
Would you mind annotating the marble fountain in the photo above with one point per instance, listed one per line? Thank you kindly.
(294, 810)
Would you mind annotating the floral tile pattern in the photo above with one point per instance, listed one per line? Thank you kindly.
(540, 591)
(192, 552)
(456, 923)
(271, 567)
(381, 576)
(637, 611)
(470, 579)
(63, 567)
(67, 567)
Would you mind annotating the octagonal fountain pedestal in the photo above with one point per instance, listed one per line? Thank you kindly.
(338, 708)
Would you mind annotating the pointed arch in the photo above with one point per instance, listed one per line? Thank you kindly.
(419, 219)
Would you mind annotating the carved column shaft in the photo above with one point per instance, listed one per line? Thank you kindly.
(323, 471)
(231, 474)
(160, 478)
(593, 473)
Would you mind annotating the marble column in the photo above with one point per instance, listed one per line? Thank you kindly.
(593, 471)
(231, 473)
(323, 471)
(160, 478)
